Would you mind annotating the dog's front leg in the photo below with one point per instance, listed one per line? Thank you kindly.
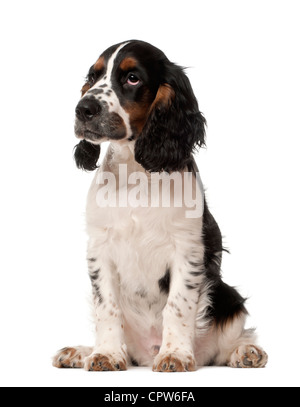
(179, 318)
(110, 351)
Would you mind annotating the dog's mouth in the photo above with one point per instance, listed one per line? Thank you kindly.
(83, 133)
(96, 132)
(92, 135)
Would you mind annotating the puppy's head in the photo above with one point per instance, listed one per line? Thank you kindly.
(134, 93)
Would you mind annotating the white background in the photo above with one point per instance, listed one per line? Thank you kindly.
(244, 65)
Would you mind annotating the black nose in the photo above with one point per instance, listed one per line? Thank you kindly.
(87, 109)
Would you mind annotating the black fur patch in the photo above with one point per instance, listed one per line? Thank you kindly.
(173, 130)
(134, 362)
(94, 276)
(227, 303)
(96, 91)
(86, 155)
(192, 286)
(141, 293)
(164, 283)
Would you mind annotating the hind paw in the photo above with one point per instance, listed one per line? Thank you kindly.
(248, 356)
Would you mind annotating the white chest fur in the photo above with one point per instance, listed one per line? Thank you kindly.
(140, 244)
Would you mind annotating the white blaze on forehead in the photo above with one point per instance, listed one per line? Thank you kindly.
(108, 95)
(110, 64)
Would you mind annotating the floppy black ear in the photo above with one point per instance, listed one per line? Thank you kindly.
(86, 155)
(175, 126)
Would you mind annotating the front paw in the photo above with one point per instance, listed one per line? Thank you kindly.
(69, 358)
(174, 362)
(105, 363)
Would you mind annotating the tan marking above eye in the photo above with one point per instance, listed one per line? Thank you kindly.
(99, 65)
(128, 63)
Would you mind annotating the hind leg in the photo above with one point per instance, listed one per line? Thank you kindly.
(72, 357)
(227, 342)
(231, 345)
(237, 346)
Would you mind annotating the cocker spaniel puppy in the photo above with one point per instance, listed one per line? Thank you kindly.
(154, 261)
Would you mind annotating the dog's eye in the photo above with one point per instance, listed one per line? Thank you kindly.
(133, 80)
